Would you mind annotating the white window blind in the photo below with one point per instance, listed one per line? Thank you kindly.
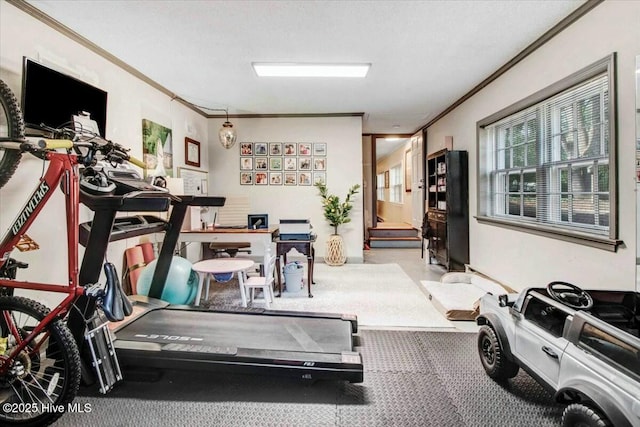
(548, 164)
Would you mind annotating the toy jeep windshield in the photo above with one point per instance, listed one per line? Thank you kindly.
(583, 346)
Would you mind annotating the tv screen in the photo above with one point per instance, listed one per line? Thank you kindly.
(52, 98)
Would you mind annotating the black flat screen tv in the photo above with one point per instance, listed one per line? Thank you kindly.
(50, 97)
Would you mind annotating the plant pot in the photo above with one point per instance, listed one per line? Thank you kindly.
(335, 251)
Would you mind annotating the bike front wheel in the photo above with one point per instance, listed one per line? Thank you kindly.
(43, 379)
(11, 128)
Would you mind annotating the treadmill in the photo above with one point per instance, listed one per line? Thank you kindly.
(305, 345)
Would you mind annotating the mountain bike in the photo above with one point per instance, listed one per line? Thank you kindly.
(40, 360)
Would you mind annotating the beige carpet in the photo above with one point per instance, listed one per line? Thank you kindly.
(381, 295)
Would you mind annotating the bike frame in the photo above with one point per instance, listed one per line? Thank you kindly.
(62, 171)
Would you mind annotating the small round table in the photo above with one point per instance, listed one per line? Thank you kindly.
(207, 268)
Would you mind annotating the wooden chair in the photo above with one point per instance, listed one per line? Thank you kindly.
(264, 282)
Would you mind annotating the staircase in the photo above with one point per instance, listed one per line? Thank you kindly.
(394, 235)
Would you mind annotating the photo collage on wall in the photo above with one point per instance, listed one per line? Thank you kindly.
(283, 163)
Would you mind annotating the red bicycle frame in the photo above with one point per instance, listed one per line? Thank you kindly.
(62, 169)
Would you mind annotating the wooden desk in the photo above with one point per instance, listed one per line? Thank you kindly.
(209, 267)
(305, 247)
(259, 239)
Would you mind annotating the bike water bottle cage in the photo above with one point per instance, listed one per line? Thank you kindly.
(96, 182)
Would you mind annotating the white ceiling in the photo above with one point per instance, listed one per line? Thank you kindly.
(424, 54)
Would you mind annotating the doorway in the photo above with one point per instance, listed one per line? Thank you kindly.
(396, 177)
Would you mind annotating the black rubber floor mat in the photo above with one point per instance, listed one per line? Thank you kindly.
(411, 378)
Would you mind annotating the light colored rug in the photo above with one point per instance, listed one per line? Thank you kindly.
(381, 295)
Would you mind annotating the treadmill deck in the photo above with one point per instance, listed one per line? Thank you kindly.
(308, 346)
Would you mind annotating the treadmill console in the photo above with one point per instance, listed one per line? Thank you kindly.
(127, 179)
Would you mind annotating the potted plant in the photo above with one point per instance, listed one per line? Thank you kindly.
(336, 213)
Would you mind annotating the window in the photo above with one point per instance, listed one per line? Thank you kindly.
(546, 316)
(605, 346)
(380, 186)
(395, 184)
(545, 162)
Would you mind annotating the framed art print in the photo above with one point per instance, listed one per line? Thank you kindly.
(261, 178)
(319, 177)
(261, 164)
(304, 178)
(275, 163)
(246, 149)
(320, 164)
(246, 178)
(319, 148)
(275, 148)
(290, 163)
(192, 152)
(290, 178)
(275, 178)
(289, 148)
(304, 163)
(260, 149)
(304, 149)
(246, 163)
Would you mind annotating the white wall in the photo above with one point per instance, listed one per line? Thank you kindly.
(343, 136)
(521, 259)
(129, 101)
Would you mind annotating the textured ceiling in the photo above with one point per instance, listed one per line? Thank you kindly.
(424, 54)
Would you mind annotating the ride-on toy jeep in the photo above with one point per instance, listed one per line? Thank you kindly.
(583, 346)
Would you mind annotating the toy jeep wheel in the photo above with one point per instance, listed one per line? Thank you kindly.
(578, 415)
(492, 355)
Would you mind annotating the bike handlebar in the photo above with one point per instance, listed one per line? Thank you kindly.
(52, 144)
(112, 151)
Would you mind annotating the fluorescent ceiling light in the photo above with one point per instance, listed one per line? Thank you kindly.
(275, 69)
(394, 138)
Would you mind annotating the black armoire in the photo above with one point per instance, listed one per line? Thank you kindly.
(448, 208)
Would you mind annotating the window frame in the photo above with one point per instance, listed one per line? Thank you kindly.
(396, 184)
(611, 242)
(380, 187)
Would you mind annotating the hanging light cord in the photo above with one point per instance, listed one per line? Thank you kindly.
(226, 111)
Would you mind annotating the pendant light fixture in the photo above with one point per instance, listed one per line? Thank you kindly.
(227, 134)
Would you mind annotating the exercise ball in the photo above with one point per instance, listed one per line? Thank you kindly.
(181, 285)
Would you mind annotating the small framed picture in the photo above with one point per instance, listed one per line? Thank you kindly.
(275, 163)
(246, 149)
(304, 163)
(262, 164)
(319, 148)
(246, 178)
(304, 149)
(246, 163)
(275, 148)
(319, 177)
(275, 178)
(192, 152)
(304, 178)
(320, 164)
(289, 148)
(290, 164)
(257, 222)
(386, 179)
(290, 178)
(260, 148)
(261, 178)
